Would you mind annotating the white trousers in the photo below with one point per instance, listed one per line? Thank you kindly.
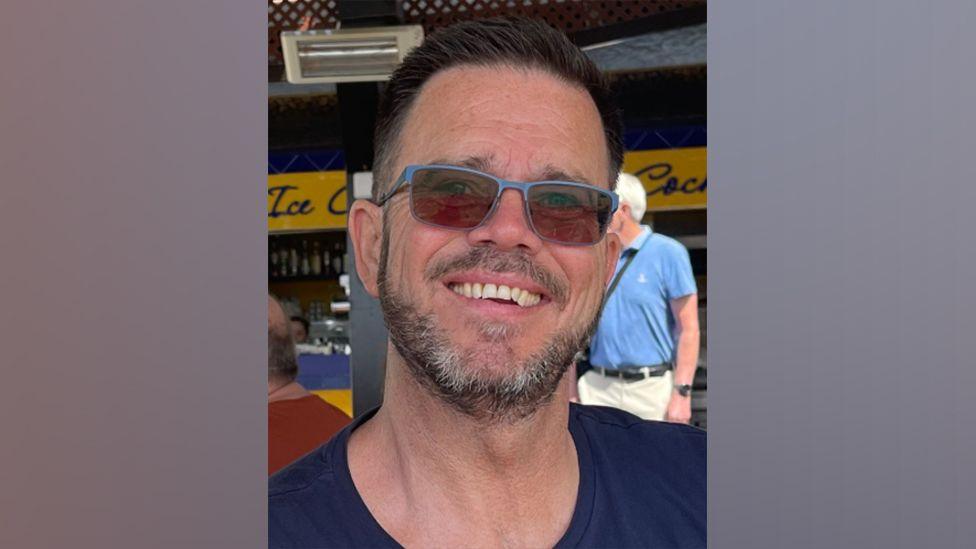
(646, 398)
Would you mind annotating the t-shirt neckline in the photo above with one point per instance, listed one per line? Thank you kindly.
(582, 512)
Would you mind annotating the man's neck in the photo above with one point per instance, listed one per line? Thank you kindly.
(418, 457)
(629, 231)
(285, 390)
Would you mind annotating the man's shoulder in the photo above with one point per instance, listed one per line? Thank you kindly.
(648, 480)
(617, 436)
(313, 503)
(613, 422)
(304, 403)
(664, 243)
(327, 411)
(303, 475)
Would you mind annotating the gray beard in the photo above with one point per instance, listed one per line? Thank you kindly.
(452, 375)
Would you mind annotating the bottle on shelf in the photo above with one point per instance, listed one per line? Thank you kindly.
(292, 261)
(273, 259)
(337, 252)
(282, 260)
(306, 267)
(326, 262)
(316, 259)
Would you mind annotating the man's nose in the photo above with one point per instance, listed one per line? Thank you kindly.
(507, 228)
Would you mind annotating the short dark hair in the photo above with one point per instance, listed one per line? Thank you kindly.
(519, 42)
(282, 360)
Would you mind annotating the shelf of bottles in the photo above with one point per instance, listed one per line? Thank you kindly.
(306, 256)
(314, 310)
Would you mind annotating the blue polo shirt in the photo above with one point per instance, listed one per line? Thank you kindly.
(637, 325)
(641, 484)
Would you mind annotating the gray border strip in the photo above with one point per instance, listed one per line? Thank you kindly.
(133, 156)
(841, 274)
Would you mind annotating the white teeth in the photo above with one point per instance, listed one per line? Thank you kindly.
(523, 298)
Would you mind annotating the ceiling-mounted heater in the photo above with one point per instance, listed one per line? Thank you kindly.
(366, 54)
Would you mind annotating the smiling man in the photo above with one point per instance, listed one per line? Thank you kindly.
(486, 243)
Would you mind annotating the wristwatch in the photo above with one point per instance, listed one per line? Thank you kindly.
(683, 390)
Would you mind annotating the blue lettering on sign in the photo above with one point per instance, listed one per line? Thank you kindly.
(335, 196)
(666, 184)
(280, 207)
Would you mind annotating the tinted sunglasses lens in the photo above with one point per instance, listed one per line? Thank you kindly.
(569, 214)
(451, 198)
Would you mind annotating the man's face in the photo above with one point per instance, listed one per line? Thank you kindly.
(490, 357)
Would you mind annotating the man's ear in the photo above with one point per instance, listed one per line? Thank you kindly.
(366, 234)
(613, 255)
(617, 221)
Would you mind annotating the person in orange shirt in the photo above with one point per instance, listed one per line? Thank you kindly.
(298, 421)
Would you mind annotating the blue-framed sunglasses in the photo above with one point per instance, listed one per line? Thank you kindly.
(452, 197)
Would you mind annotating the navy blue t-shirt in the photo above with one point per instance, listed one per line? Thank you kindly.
(642, 484)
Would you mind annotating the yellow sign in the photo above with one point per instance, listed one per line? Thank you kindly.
(675, 179)
(307, 200)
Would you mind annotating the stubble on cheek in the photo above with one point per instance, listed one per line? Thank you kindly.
(481, 380)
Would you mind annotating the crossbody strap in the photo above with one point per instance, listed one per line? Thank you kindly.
(620, 273)
(613, 286)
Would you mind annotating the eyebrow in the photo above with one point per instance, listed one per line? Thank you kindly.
(485, 164)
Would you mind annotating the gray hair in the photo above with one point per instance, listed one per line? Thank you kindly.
(631, 192)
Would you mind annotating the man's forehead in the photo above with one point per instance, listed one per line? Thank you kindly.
(487, 117)
(489, 164)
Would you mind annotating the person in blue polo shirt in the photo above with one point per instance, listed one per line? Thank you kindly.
(645, 350)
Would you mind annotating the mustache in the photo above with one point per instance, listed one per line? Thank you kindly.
(492, 260)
